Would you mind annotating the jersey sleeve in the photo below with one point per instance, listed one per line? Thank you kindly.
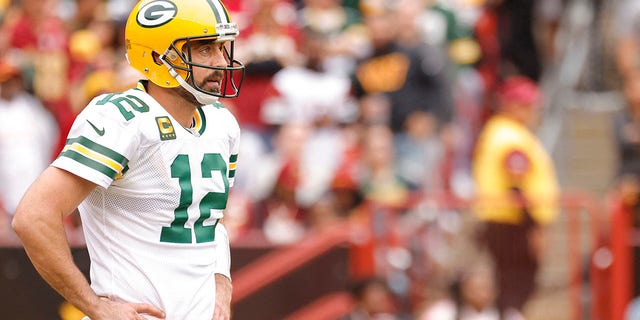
(223, 251)
(234, 146)
(99, 144)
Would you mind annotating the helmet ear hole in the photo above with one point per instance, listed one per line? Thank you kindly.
(156, 58)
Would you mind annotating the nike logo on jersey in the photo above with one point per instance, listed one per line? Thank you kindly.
(100, 132)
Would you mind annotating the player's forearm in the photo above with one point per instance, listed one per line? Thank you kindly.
(46, 246)
(38, 222)
(224, 291)
(222, 272)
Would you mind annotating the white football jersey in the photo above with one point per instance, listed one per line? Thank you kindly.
(150, 226)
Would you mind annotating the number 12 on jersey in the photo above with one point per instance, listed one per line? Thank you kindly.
(180, 169)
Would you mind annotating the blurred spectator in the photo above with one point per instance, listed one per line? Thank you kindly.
(516, 191)
(385, 197)
(92, 85)
(297, 178)
(276, 183)
(448, 25)
(341, 26)
(284, 218)
(419, 153)
(413, 77)
(322, 214)
(420, 149)
(96, 46)
(250, 187)
(39, 43)
(380, 180)
(27, 140)
(373, 301)
(374, 109)
(95, 51)
(269, 44)
(516, 37)
(85, 13)
(471, 297)
(345, 188)
(506, 30)
(296, 97)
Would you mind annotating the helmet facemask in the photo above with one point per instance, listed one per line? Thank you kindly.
(178, 60)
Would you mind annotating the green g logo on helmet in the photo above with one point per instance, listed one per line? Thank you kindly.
(156, 13)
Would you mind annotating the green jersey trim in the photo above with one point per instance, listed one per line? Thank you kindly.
(232, 165)
(95, 156)
(200, 121)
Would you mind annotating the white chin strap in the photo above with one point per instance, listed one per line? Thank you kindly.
(202, 97)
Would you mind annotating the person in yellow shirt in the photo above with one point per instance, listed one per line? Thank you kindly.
(517, 189)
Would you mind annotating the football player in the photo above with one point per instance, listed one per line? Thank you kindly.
(150, 170)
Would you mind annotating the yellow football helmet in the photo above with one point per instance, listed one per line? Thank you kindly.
(166, 27)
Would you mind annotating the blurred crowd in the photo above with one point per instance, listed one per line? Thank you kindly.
(351, 111)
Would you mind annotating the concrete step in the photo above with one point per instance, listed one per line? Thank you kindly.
(586, 157)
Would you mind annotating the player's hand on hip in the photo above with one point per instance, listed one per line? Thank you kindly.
(224, 289)
(110, 310)
(221, 313)
(222, 310)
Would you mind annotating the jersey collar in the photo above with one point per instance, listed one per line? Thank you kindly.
(199, 122)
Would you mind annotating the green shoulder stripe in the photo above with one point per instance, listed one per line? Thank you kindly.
(95, 156)
(115, 156)
(95, 165)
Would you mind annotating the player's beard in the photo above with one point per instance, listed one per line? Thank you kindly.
(186, 95)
